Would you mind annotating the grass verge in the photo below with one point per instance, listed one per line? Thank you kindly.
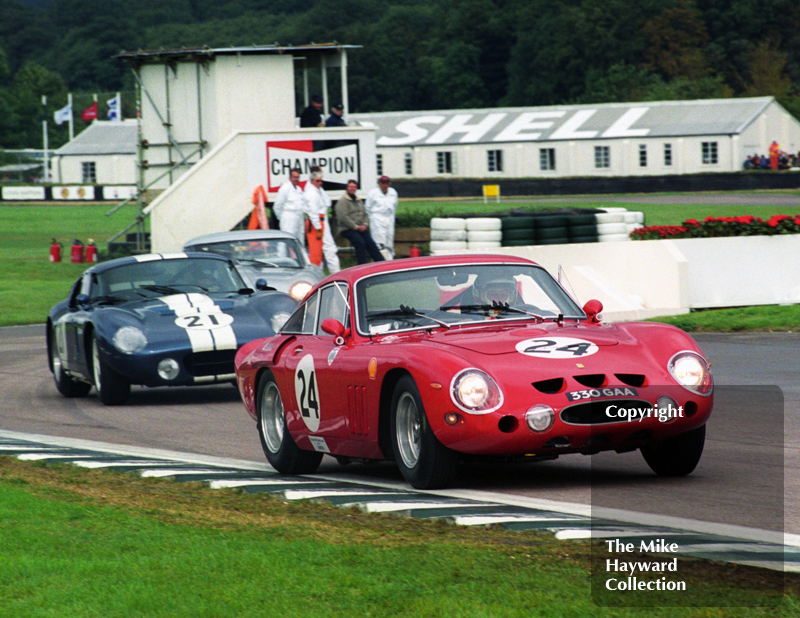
(78, 542)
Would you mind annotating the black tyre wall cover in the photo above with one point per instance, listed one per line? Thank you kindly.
(549, 221)
(580, 239)
(551, 232)
(583, 230)
(574, 220)
(518, 243)
(556, 240)
(525, 234)
(518, 223)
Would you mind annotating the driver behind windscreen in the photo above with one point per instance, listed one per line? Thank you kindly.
(492, 288)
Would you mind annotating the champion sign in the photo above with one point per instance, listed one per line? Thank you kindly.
(339, 160)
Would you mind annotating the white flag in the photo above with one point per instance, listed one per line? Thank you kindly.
(63, 115)
(114, 105)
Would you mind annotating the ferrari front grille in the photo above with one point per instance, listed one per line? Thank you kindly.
(595, 412)
(212, 363)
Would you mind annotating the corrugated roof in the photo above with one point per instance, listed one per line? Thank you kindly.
(103, 137)
(565, 122)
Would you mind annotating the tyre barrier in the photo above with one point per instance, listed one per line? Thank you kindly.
(610, 224)
(484, 224)
(447, 245)
(448, 234)
(448, 223)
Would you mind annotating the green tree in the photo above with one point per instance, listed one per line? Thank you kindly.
(676, 39)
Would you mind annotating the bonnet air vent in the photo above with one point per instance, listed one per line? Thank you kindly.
(549, 386)
(631, 379)
(593, 380)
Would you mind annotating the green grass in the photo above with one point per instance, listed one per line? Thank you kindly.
(76, 542)
(771, 318)
(29, 283)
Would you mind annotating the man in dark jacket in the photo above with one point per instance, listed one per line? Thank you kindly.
(312, 115)
(354, 224)
(335, 119)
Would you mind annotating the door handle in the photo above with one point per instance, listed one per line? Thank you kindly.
(297, 350)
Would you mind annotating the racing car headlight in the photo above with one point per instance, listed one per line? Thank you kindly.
(299, 290)
(129, 340)
(475, 392)
(278, 320)
(691, 371)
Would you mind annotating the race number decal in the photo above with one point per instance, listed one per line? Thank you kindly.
(204, 321)
(306, 391)
(557, 347)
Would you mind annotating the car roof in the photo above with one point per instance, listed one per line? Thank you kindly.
(238, 235)
(354, 273)
(153, 257)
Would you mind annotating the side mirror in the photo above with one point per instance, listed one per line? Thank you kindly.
(261, 284)
(335, 328)
(82, 301)
(593, 310)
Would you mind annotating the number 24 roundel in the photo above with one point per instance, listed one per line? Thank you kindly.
(557, 347)
(306, 391)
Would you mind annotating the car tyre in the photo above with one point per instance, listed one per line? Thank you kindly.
(66, 385)
(112, 388)
(676, 456)
(424, 462)
(281, 450)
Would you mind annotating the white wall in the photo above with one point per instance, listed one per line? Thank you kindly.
(642, 279)
(119, 169)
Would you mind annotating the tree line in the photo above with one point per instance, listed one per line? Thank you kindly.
(417, 54)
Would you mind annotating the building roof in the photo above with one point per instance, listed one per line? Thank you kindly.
(103, 137)
(160, 56)
(565, 122)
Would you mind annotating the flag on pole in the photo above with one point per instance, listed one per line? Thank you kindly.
(114, 108)
(63, 115)
(90, 113)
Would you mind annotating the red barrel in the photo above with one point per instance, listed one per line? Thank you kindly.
(55, 251)
(76, 254)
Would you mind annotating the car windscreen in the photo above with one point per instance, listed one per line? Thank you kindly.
(268, 252)
(164, 277)
(450, 295)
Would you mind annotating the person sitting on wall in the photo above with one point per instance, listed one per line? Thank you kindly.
(354, 224)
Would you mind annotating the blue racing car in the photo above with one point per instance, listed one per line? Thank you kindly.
(157, 320)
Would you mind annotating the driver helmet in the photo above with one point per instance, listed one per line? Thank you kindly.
(496, 288)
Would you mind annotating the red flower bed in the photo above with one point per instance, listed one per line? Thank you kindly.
(711, 227)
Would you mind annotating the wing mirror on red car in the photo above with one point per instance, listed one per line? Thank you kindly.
(335, 328)
(593, 310)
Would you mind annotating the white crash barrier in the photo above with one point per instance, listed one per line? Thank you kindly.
(633, 280)
(642, 279)
(741, 270)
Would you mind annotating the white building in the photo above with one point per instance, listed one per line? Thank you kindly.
(610, 139)
(102, 154)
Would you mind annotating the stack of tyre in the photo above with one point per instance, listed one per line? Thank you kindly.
(461, 234)
(614, 224)
(484, 233)
(448, 234)
(518, 231)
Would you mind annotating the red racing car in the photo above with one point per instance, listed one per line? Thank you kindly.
(425, 360)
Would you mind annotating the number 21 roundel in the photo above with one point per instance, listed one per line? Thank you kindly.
(557, 347)
(306, 391)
